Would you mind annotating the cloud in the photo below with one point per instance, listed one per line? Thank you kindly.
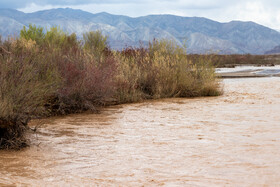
(20, 4)
(12, 4)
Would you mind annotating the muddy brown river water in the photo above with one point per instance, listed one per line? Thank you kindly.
(231, 140)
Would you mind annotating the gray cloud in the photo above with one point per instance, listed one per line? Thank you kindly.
(12, 4)
(187, 4)
(15, 4)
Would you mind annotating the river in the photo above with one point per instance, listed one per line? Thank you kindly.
(230, 140)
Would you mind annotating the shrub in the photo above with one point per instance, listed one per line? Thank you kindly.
(25, 82)
(129, 75)
(86, 81)
(163, 70)
(86, 84)
(57, 39)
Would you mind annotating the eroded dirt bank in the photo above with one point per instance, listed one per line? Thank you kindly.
(229, 140)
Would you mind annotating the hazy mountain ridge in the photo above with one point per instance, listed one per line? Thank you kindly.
(275, 50)
(200, 34)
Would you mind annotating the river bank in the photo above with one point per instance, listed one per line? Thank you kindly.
(227, 140)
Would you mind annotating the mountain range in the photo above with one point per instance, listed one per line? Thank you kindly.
(201, 35)
(275, 50)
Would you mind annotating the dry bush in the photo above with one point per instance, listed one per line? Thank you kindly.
(164, 70)
(25, 82)
(86, 84)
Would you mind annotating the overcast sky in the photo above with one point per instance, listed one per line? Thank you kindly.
(265, 12)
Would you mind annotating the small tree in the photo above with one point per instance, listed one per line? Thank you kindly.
(95, 42)
(33, 33)
(55, 36)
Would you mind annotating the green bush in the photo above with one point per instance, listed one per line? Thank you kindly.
(33, 33)
(95, 43)
(57, 39)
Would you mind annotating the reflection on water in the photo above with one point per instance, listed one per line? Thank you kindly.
(258, 70)
(232, 140)
(269, 71)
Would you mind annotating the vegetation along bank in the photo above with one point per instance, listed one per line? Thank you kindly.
(54, 73)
